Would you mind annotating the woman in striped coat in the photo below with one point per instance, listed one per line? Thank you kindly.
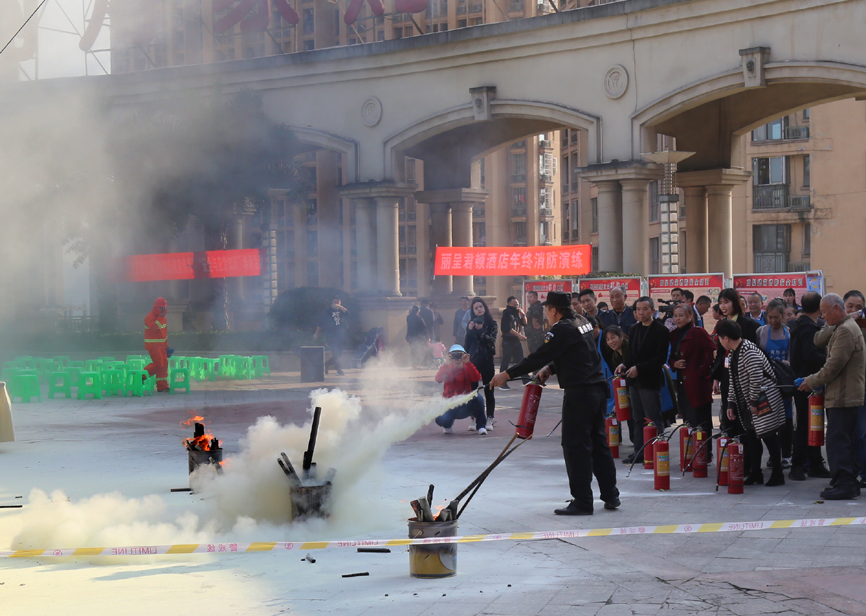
(754, 403)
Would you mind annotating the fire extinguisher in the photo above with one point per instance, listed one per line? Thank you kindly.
(662, 469)
(528, 409)
(685, 446)
(722, 457)
(735, 468)
(701, 457)
(613, 439)
(816, 420)
(620, 400)
(649, 435)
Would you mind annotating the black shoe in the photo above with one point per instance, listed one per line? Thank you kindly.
(797, 474)
(754, 479)
(820, 472)
(631, 460)
(340, 373)
(612, 504)
(572, 509)
(841, 493)
(505, 387)
(776, 479)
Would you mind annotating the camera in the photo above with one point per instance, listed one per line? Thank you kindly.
(457, 355)
(478, 320)
(666, 308)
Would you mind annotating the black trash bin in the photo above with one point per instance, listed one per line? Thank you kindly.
(312, 364)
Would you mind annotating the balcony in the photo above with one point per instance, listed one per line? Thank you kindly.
(545, 211)
(565, 188)
(476, 8)
(574, 186)
(772, 197)
(545, 177)
(797, 132)
(798, 266)
(518, 211)
(518, 178)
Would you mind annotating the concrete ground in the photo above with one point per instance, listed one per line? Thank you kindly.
(132, 446)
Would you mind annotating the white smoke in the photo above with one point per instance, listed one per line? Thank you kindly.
(250, 499)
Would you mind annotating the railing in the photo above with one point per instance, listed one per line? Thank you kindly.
(545, 177)
(800, 202)
(565, 187)
(76, 325)
(574, 186)
(475, 8)
(545, 210)
(797, 132)
(798, 266)
(773, 197)
(518, 177)
(518, 210)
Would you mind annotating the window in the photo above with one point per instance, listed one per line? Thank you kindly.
(594, 258)
(773, 131)
(410, 170)
(518, 167)
(518, 201)
(461, 23)
(575, 218)
(565, 175)
(479, 234)
(771, 245)
(309, 45)
(594, 203)
(574, 137)
(806, 114)
(807, 238)
(520, 234)
(654, 201)
(655, 255)
(312, 273)
(807, 171)
(312, 243)
(768, 171)
(312, 212)
(309, 22)
(682, 252)
(483, 170)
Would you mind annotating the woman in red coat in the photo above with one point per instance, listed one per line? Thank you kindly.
(692, 352)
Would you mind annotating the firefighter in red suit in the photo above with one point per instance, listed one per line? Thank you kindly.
(156, 343)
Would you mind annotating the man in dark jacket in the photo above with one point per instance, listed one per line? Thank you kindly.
(806, 359)
(569, 352)
(619, 313)
(643, 367)
(513, 320)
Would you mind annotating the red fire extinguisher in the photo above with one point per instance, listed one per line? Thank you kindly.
(735, 468)
(701, 457)
(662, 470)
(528, 410)
(620, 400)
(685, 446)
(722, 458)
(816, 420)
(649, 434)
(613, 439)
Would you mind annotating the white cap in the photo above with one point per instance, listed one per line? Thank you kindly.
(456, 347)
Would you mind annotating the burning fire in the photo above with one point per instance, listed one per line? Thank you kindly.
(201, 440)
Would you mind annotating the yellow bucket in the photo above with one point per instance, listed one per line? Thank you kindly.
(437, 560)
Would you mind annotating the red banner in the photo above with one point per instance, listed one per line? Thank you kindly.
(530, 261)
(193, 265)
(602, 286)
(660, 287)
(543, 287)
(771, 286)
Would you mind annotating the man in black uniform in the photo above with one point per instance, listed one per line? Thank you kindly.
(569, 351)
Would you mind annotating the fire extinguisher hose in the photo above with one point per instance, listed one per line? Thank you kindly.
(473, 487)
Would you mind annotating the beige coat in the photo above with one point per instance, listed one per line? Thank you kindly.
(844, 372)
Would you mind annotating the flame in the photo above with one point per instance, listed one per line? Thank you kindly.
(192, 420)
(201, 442)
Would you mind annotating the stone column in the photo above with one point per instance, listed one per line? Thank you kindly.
(696, 225)
(720, 258)
(440, 221)
(365, 242)
(461, 235)
(300, 259)
(635, 218)
(388, 245)
(609, 226)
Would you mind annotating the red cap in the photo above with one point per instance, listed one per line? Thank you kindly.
(160, 303)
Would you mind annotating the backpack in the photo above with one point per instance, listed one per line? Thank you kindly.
(784, 376)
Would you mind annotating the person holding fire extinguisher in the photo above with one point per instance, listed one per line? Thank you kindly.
(569, 352)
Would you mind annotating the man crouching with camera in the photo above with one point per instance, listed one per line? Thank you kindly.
(460, 377)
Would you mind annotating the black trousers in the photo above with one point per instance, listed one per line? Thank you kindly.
(487, 370)
(584, 444)
(841, 431)
(753, 450)
(512, 354)
(803, 454)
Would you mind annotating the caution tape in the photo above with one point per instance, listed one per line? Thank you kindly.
(290, 546)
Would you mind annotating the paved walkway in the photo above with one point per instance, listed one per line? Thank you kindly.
(133, 446)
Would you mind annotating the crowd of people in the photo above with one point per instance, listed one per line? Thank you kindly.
(666, 350)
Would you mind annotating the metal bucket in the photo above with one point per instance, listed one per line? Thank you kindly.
(197, 458)
(311, 501)
(437, 560)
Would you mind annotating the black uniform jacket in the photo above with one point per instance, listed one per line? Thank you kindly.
(648, 351)
(569, 349)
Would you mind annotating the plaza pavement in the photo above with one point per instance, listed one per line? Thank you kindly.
(132, 445)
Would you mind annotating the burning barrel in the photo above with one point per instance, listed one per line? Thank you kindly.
(433, 560)
(202, 448)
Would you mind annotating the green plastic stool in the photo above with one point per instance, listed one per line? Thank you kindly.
(210, 369)
(92, 365)
(112, 382)
(135, 384)
(175, 383)
(226, 367)
(23, 362)
(74, 375)
(243, 368)
(61, 359)
(75, 364)
(46, 366)
(260, 366)
(89, 383)
(59, 383)
(106, 359)
(9, 372)
(135, 364)
(27, 387)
